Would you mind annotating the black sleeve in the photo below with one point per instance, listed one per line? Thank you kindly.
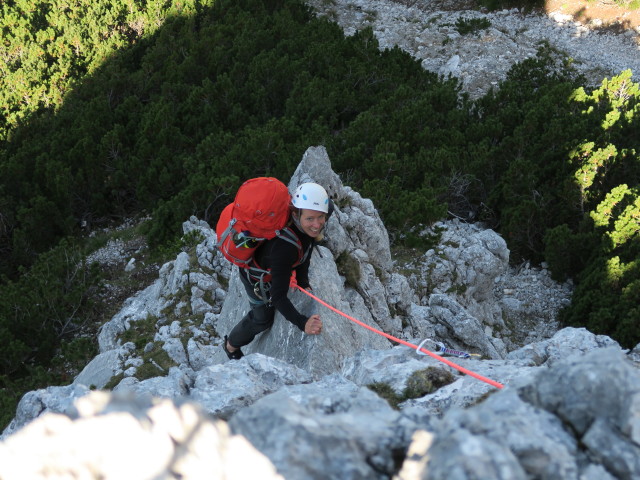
(283, 257)
(302, 273)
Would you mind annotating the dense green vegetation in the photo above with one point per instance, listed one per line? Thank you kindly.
(115, 108)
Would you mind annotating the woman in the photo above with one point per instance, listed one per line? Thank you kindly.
(277, 259)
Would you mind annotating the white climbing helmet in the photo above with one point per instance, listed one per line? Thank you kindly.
(312, 197)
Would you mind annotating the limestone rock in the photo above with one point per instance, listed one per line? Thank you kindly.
(328, 429)
(321, 354)
(116, 437)
(296, 397)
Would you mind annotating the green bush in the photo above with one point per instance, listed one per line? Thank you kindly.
(608, 288)
(568, 253)
(526, 5)
(606, 230)
(465, 26)
(428, 380)
(418, 384)
(39, 309)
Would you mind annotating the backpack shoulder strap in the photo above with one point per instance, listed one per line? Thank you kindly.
(288, 235)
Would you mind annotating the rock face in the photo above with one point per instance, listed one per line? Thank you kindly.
(357, 233)
(585, 429)
(351, 403)
(121, 436)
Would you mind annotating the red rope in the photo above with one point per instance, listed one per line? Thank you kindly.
(397, 340)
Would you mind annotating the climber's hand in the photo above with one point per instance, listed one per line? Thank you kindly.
(313, 325)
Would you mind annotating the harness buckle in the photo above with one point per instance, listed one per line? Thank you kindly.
(261, 290)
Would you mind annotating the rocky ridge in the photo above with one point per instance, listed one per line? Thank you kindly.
(178, 410)
(429, 31)
(305, 407)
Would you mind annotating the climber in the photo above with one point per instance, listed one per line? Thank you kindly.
(280, 257)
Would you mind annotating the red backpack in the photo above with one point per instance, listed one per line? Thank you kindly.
(259, 212)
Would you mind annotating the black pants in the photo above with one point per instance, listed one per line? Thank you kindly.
(259, 318)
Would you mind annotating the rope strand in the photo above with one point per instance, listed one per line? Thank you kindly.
(419, 348)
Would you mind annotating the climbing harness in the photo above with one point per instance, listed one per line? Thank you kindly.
(443, 350)
(419, 348)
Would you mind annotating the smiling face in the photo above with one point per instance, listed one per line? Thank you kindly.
(312, 222)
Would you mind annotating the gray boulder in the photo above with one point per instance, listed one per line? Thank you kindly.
(175, 385)
(462, 330)
(114, 437)
(320, 354)
(568, 421)
(567, 342)
(43, 401)
(329, 429)
(465, 264)
(101, 369)
(222, 390)
(479, 301)
(358, 224)
(357, 239)
(602, 408)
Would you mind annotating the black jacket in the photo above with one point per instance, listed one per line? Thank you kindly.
(279, 256)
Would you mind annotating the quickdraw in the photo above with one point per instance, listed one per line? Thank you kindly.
(443, 350)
